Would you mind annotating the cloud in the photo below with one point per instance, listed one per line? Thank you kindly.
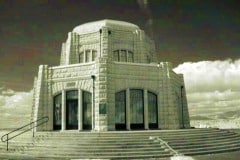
(207, 76)
(16, 109)
(18, 99)
(212, 87)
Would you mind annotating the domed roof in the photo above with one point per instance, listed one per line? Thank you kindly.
(97, 25)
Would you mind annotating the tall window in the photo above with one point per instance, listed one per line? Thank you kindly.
(94, 55)
(136, 108)
(120, 110)
(87, 110)
(57, 111)
(152, 110)
(88, 56)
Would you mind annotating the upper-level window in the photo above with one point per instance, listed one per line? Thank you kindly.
(123, 55)
(81, 57)
(94, 55)
(116, 55)
(87, 56)
(130, 56)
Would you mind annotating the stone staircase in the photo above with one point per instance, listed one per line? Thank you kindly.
(120, 144)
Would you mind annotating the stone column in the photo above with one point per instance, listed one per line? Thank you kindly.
(128, 114)
(80, 110)
(146, 109)
(63, 110)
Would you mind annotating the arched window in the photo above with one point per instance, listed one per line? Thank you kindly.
(123, 55)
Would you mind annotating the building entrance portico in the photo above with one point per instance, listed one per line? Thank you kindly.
(76, 111)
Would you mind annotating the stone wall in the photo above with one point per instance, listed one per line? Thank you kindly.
(110, 78)
(157, 78)
(136, 41)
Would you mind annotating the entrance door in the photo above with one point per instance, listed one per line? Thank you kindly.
(72, 110)
(87, 110)
(137, 109)
(72, 114)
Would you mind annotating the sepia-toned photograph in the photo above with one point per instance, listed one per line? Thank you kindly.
(120, 79)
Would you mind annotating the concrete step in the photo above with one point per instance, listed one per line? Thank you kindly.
(120, 145)
(211, 150)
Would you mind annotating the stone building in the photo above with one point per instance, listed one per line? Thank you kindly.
(109, 79)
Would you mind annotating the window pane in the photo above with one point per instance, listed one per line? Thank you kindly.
(88, 55)
(72, 109)
(123, 56)
(57, 111)
(152, 107)
(87, 110)
(72, 95)
(94, 55)
(81, 57)
(120, 110)
(116, 55)
(130, 56)
(136, 106)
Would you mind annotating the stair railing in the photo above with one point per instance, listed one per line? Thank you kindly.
(162, 142)
(32, 125)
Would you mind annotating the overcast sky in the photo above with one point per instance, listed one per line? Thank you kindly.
(184, 31)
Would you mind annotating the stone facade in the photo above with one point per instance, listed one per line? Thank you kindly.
(103, 58)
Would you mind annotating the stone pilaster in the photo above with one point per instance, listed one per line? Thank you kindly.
(63, 110)
(146, 109)
(49, 103)
(102, 108)
(74, 48)
(128, 114)
(63, 54)
(80, 110)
